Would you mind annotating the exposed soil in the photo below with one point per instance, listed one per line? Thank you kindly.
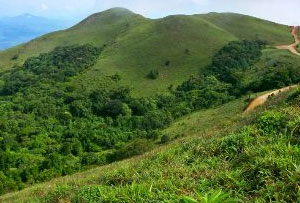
(292, 47)
(263, 98)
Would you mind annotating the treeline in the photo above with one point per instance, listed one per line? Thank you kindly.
(56, 66)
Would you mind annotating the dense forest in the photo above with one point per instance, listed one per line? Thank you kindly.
(50, 128)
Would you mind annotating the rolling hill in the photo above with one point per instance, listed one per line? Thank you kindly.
(177, 46)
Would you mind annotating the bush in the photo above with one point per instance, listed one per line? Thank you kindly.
(272, 122)
(15, 57)
(167, 63)
(165, 138)
(153, 74)
(136, 147)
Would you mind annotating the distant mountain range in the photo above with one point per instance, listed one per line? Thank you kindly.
(23, 28)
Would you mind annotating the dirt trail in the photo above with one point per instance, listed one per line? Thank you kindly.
(263, 98)
(292, 47)
(258, 101)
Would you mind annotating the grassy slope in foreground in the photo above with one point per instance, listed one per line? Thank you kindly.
(255, 162)
(137, 45)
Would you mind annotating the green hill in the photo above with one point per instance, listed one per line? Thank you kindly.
(136, 45)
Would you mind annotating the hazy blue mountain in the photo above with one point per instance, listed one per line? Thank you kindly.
(23, 28)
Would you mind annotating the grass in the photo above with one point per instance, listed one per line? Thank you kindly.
(196, 125)
(247, 27)
(224, 154)
(136, 45)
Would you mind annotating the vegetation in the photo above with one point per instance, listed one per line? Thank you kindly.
(127, 53)
(60, 114)
(154, 74)
(51, 128)
(254, 159)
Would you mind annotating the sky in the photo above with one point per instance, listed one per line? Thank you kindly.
(281, 11)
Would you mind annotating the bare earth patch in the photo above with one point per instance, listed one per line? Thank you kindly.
(292, 47)
(263, 98)
(258, 101)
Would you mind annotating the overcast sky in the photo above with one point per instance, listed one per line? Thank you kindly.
(282, 11)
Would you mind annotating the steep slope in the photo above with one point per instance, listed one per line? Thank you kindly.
(176, 46)
(247, 27)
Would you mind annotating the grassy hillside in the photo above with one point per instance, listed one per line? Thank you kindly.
(197, 125)
(136, 45)
(247, 27)
(251, 157)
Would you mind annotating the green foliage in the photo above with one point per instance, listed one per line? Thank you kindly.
(58, 65)
(137, 147)
(51, 127)
(230, 64)
(60, 114)
(275, 75)
(204, 92)
(15, 57)
(135, 57)
(154, 74)
(57, 129)
(235, 56)
(211, 197)
(165, 138)
(242, 164)
(272, 122)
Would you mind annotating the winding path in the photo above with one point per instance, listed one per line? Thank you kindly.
(260, 100)
(292, 47)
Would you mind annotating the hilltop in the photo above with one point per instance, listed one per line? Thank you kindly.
(176, 46)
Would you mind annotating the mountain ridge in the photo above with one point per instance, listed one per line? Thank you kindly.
(135, 45)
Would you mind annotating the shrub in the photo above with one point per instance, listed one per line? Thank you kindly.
(136, 147)
(153, 74)
(210, 197)
(153, 134)
(167, 63)
(165, 138)
(15, 57)
(271, 121)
